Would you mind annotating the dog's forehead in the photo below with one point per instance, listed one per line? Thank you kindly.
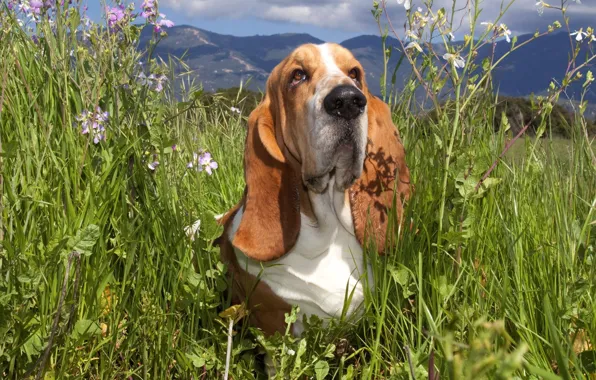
(335, 54)
(329, 55)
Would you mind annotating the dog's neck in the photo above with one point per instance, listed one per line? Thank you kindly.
(330, 203)
(315, 206)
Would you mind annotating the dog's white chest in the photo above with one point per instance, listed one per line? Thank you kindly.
(324, 268)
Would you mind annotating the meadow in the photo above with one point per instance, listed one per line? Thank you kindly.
(113, 164)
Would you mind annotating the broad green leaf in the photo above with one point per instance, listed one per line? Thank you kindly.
(85, 328)
(400, 276)
(85, 240)
(505, 126)
(321, 369)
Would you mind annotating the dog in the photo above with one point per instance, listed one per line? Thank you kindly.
(325, 172)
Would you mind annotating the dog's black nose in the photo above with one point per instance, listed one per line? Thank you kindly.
(345, 101)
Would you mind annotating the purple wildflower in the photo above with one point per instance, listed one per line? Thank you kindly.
(36, 6)
(142, 79)
(149, 10)
(93, 123)
(158, 82)
(203, 161)
(115, 15)
(152, 81)
(163, 23)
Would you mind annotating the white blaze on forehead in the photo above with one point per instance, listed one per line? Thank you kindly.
(328, 59)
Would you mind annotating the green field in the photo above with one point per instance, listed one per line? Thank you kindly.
(98, 278)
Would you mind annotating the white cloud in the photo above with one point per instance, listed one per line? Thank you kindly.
(355, 15)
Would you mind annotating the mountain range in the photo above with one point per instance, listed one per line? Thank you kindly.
(224, 61)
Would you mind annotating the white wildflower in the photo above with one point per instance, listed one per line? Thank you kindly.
(193, 230)
(579, 35)
(407, 4)
(504, 31)
(153, 165)
(411, 35)
(457, 61)
(540, 7)
(414, 45)
(488, 24)
(219, 216)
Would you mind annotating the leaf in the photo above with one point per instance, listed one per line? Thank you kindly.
(444, 286)
(321, 369)
(486, 64)
(193, 278)
(299, 353)
(33, 345)
(9, 149)
(197, 361)
(487, 184)
(400, 276)
(85, 240)
(183, 105)
(197, 94)
(588, 360)
(292, 317)
(349, 373)
(544, 374)
(85, 328)
(505, 126)
(236, 312)
(468, 226)
(467, 186)
(560, 355)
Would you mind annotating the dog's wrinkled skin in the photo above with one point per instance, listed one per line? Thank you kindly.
(324, 170)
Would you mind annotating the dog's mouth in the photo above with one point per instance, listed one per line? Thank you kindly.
(337, 150)
(344, 169)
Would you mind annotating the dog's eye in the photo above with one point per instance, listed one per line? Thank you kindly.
(354, 74)
(297, 77)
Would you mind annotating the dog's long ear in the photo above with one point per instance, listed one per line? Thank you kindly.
(385, 181)
(271, 211)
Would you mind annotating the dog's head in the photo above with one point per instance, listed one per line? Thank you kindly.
(318, 121)
(318, 100)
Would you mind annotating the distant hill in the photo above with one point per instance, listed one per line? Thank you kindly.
(223, 61)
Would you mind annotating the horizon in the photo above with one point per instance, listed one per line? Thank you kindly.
(560, 31)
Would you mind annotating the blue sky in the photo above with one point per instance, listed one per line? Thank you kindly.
(238, 25)
(337, 20)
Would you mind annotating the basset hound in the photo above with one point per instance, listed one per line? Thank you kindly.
(324, 169)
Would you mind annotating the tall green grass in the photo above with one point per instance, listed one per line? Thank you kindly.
(98, 278)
